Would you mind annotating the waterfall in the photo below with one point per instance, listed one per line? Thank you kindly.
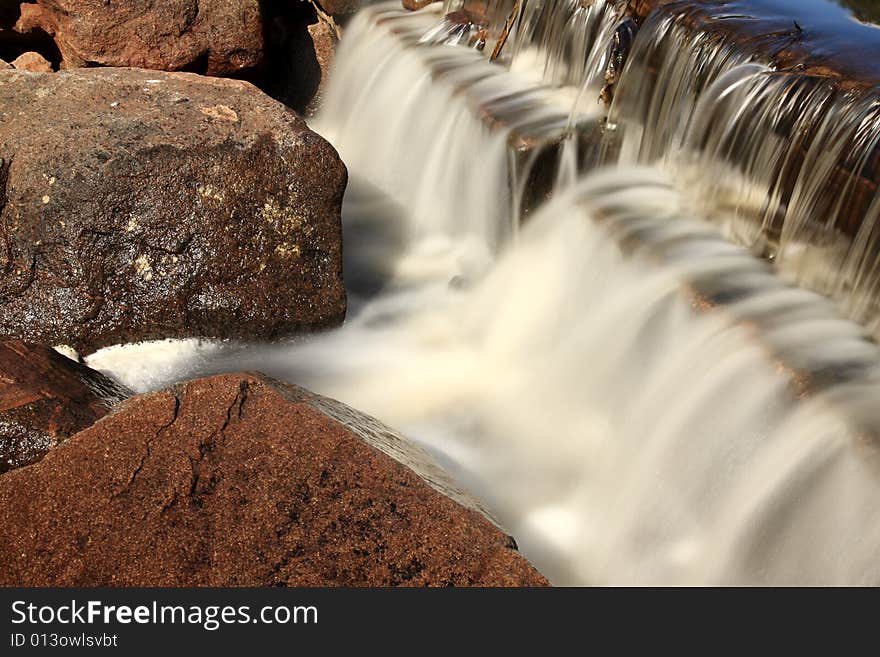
(786, 162)
(644, 378)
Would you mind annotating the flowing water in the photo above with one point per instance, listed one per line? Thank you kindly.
(636, 379)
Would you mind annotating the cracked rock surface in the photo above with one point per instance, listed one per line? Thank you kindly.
(140, 205)
(239, 480)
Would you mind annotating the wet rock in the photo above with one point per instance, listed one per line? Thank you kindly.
(340, 8)
(138, 205)
(814, 40)
(32, 61)
(824, 49)
(618, 53)
(44, 399)
(214, 37)
(415, 5)
(239, 480)
(462, 27)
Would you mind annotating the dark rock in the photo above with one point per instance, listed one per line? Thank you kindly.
(618, 53)
(32, 61)
(340, 7)
(239, 480)
(21, 31)
(300, 47)
(44, 399)
(214, 37)
(139, 205)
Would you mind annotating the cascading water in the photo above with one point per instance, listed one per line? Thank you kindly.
(637, 399)
(785, 161)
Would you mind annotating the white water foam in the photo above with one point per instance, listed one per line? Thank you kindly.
(637, 400)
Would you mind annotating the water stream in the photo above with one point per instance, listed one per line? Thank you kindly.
(652, 379)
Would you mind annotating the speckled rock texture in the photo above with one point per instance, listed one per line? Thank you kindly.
(138, 205)
(239, 480)
(213, 37)
(44, 399)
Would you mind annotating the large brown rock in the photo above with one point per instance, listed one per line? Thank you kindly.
(214, 37)
(239, 480)
(139, 205)
(44, 399)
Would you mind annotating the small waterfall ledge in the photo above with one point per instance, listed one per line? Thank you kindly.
(664, 374)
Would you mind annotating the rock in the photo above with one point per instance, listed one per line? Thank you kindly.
(31, 18)
(44, 399)
(325, 38)
(138, 205)
(5, 65)
(214, 37)
(300, 47)
(799, 37)
(32, 61)
(239, 480)
(340, 7)
(415, 5)
(21, 32)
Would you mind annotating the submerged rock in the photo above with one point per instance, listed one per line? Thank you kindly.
(44, 399)
(239, 480)
(214, 37)
(139, 205)
(815, 39)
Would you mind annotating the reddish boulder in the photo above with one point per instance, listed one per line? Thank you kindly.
(44, 399)
(32, 61)
(214, 37)
(137, 205)
(239, 480)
